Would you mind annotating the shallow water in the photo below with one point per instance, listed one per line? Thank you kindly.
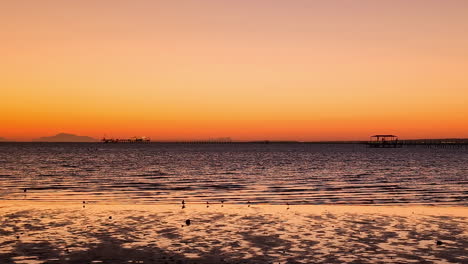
(34, 233)
(235, 173)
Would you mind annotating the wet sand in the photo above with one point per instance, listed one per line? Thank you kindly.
(35, 232)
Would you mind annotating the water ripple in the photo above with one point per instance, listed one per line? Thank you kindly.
(237, 173)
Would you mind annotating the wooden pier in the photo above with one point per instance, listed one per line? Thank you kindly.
(376, 141)
(384, 141)
(436, 143)
(127, 140)
(392, 141)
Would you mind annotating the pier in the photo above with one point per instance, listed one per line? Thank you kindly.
(439, 143)
(392, 141)
(127, 140)
(375, 141)
(384, 141)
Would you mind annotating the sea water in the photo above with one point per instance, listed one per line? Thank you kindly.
(294, 173)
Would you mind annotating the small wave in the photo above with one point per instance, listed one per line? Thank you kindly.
(226, 186)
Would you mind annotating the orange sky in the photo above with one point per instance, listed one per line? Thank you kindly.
(245, 69)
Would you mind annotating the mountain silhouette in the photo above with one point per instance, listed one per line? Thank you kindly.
(64, 137)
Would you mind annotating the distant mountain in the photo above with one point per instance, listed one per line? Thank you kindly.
(3, 139)
(64, 137)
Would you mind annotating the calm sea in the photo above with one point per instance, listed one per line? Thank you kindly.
(235, 173)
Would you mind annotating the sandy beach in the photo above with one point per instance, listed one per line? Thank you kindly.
(35, 232)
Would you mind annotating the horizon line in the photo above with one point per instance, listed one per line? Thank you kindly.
(232, 141)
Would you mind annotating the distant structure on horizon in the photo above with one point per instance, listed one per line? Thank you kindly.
(384, 141)
(127, 140)
(392, 141)
(221, 140)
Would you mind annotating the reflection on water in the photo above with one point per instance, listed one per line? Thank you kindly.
(236, 173)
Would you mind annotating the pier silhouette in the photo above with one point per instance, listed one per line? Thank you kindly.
(384, 141)
(126, 140)
(392, 141)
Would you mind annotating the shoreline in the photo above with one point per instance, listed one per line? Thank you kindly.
(443, 208)
(460, 210)
(44, 232)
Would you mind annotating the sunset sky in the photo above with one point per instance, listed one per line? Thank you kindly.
(245, 69)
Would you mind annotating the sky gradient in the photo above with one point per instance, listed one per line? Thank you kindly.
(245, 69)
